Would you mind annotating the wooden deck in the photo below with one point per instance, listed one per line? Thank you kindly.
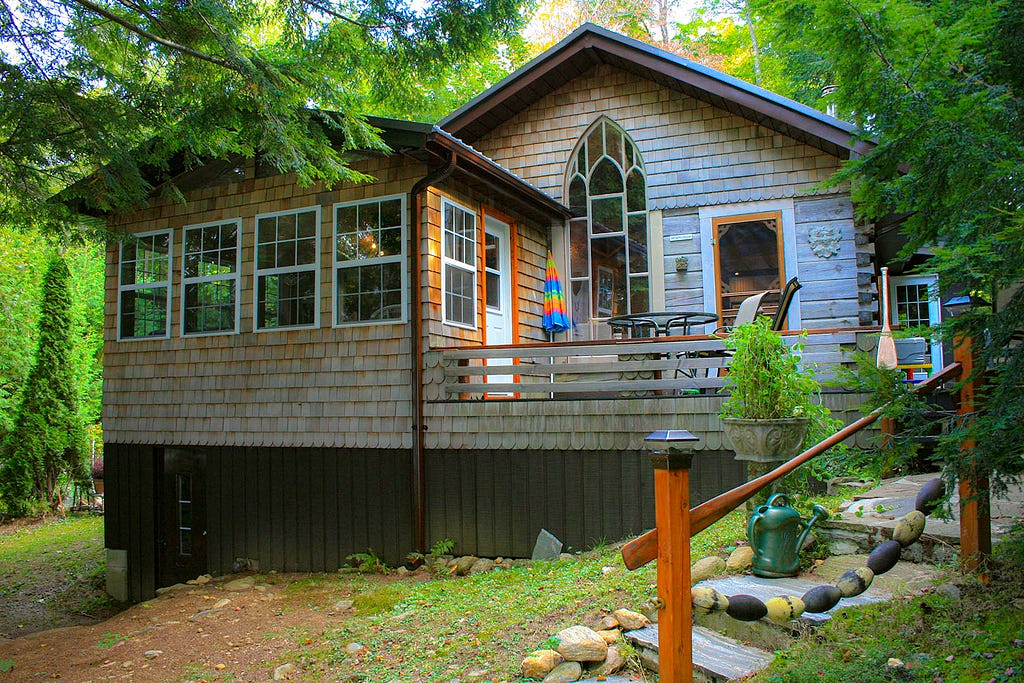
(602, 395)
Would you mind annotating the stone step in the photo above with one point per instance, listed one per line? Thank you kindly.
(765, 633)
(716, 658)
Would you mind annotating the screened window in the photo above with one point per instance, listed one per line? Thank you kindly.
(458, 264)
(608, 239)
(144, 286)
(209, 278)
(369, 260)
(287, 260)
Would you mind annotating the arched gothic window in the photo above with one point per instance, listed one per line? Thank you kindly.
(608, 246)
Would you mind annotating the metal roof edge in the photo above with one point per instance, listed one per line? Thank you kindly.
(594, 30)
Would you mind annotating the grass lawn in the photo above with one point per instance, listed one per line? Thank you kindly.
(52, 573)
(450, 628)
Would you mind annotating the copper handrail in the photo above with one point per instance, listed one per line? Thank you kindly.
(644, 548)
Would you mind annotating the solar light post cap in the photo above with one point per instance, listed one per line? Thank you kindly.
(671, 449)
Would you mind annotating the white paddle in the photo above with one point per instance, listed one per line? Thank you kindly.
(886, 357)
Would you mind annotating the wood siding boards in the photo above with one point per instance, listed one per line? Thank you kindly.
(695, 154)
(297, 388)
(290, 515)
(583, 498)
(837, 289)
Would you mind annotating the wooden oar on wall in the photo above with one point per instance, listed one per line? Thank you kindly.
(886, 357)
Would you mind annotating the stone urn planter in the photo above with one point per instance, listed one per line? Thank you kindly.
(765, 440)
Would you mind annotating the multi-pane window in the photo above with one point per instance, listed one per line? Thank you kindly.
(458, 264)
(184, 486)
(209, 275)
(144, 286)
(369, 260)
(287, 259)
(608, 241)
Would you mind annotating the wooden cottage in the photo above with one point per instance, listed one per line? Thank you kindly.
(297, 374)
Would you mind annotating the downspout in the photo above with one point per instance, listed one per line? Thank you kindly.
(419, 490)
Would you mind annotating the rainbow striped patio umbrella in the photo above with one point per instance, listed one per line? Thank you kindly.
(556, 319)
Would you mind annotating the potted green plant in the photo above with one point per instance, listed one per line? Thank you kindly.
(97, 475)
(769, 407)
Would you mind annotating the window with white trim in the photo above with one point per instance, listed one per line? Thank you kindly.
(144, 287)
(608, 238)
(209, 278)
(287, 265)
(369, 261)
(458, 264)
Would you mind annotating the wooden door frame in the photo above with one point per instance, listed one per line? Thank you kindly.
(718, 221)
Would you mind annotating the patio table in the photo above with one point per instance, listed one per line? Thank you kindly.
(661, 322)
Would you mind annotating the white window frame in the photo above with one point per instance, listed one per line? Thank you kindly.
(449, 262)
(121, 287)
(654, 273)
(259, 272)
(401, 258)
(737, 211)
(236, 276)
(931, 280)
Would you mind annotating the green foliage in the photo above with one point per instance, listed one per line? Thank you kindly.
(368, 562)
(765, 380)
(444, 546)
(131, 96)
(939, 86)
(48, 439)
(26, 254)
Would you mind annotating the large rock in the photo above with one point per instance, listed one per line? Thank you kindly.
(464, 564)
(285, 672)
(242, 584)
(566, 672)
(581, 644)
(612, 663)
(605, 623)
(481, 566)
(706, 568)
(629, 620)
(610, 635)
(540, 663)
(740, 559)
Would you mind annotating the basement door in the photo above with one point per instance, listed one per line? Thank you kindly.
(181, 536)
(498, 288)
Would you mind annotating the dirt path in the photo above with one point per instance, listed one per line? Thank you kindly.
(198, 633)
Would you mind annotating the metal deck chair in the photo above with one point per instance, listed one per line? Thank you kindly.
(746, 313)
(788, 292)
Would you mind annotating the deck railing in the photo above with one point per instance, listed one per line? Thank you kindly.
(665, 366)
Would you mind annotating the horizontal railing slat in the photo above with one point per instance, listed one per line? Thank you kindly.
(611, 386)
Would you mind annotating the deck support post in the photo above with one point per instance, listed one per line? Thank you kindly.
(671, 453)
(975, 515)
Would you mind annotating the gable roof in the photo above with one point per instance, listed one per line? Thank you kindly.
(591, 45)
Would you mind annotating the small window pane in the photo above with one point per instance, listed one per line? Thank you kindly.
(638, 244)
(639, 294)
(606, 178)
(613, 144)
(606, 215)
(595, 146)
(636, 194)
(609, 276)
(578, 248)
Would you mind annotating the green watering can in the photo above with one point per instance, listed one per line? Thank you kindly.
(776, 533)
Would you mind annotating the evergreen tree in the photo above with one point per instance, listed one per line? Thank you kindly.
(48, 439)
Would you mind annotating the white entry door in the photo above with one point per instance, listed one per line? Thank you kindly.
(498, 273)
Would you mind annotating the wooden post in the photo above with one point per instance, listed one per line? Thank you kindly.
(975, 516)
(671, 452)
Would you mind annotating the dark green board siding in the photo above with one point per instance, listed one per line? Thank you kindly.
(288, 509)
(494, 502)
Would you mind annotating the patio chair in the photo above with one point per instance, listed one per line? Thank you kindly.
(788, 292)
(746, 313)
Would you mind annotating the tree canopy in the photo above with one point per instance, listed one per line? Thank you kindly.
(126, 93)
(940, 86)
